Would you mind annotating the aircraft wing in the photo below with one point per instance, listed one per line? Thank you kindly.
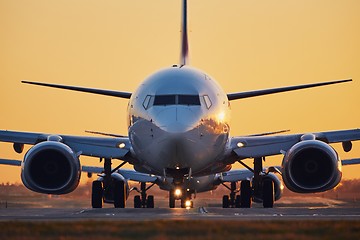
(256, 93)
(261, 146)
(10, 162)
(111, 93)
(101, 147)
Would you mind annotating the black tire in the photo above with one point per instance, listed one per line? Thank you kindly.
(225, 201)
(171, 199)
(245, 194)
(119, 194)
(150, 201)
(183, 202)
(238, 201)
(268, 193)
(97, 194)
(137, 201)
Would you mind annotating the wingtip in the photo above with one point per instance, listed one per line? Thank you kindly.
(27, 82)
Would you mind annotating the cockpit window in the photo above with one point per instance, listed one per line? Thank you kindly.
(165, 100)
(207, 101)
(146, 102)
(188, 100)
(177, 100)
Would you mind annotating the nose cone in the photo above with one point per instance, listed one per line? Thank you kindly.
(177, 119)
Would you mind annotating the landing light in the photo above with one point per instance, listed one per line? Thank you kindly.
(122, 145)
(188, 204)
(177, 192)
(221, 117)
(240, 144)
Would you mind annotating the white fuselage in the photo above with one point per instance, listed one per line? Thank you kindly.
(178, 120)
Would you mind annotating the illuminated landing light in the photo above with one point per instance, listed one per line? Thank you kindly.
(188, 204)
(177, 168)
(122, 145)
(240, 145)
(221, 117)
(178, 192)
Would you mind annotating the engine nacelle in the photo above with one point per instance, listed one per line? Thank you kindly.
(311, 166)
(51, 167)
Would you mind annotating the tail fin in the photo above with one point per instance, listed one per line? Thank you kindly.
(184, 57)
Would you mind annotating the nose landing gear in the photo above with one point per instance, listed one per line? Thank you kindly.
(183, 196)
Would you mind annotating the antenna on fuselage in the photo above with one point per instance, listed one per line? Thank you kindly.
(184, 55)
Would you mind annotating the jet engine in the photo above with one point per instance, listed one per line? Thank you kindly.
(311, 166)
(51, 167)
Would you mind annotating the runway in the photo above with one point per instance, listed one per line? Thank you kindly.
(199, 213)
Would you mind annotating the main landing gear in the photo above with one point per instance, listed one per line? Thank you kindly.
(260, 189)
(142, 200)
(243, 200)
(111, 187)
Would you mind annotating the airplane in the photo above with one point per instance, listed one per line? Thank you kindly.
(179, 139)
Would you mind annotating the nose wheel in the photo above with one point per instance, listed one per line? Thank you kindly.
(183, 196)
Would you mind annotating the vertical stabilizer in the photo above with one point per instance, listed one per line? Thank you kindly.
(184, 57)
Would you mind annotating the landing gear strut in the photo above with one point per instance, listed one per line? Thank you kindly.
(142, 200)
(109, 187)
(231, 200)
(263, 187)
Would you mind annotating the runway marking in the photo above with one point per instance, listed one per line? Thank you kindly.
(203, 210)
(80, 212)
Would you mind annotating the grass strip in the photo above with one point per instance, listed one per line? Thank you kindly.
(180, 229)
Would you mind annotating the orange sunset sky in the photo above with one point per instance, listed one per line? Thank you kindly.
(115, 44)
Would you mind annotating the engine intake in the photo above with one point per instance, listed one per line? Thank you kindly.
(51, 167)
(311, 166)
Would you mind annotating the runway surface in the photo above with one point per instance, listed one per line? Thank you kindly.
(310, 208)
(199, 213)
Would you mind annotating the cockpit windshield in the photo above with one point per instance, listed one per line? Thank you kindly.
(176, 100)
(188, 100)
(164, 100)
